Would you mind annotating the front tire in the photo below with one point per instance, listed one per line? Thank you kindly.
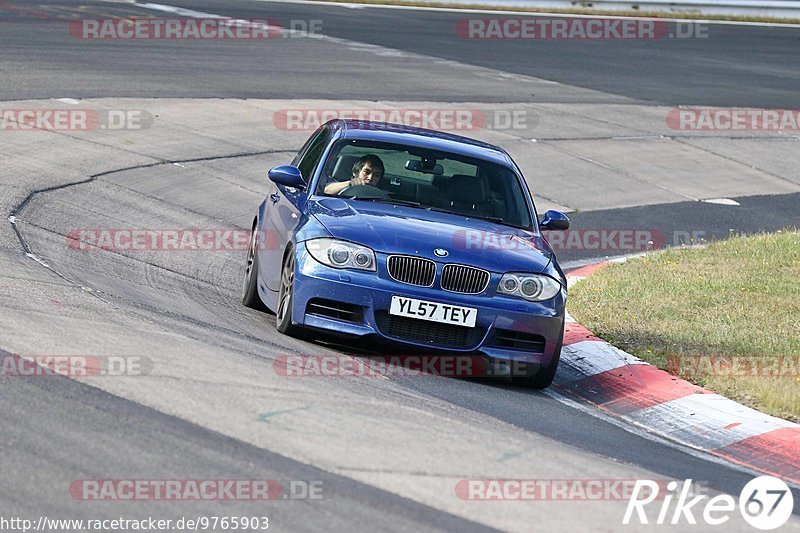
(542, 377)
(250, 297)
(283, 311)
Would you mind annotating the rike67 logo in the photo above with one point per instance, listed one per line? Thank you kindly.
(765, 503)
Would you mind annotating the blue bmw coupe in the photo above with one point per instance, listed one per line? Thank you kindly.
(417, 237)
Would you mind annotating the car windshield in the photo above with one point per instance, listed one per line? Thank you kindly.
(418, 177)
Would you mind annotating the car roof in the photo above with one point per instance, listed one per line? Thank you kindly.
(419, 137)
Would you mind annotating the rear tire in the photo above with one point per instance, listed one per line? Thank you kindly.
(250, 297)
(283, 310)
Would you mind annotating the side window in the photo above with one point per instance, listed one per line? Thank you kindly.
(307, 144)
(312, 153)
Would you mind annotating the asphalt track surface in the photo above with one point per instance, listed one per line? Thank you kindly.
(75, 429)
(58, 430)
(668, 222)
(735, 66)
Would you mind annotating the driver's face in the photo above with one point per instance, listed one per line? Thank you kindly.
(370, 176)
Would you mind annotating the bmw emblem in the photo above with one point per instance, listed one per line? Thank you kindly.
(441, 252)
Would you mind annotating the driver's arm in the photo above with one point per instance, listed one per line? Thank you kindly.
(338, 186)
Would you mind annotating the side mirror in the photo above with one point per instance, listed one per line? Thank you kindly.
(287, 175)
(554, 221)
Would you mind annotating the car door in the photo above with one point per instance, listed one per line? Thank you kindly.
(282, 205)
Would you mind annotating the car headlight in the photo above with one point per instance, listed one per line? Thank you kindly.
(341, 254)
(532, 287)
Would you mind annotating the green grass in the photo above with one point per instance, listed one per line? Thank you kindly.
(577, 11)
(696, 312)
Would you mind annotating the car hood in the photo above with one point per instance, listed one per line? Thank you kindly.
(395, 229)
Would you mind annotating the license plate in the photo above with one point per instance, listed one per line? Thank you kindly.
(435, 312)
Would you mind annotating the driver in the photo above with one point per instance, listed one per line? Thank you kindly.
(368, 170)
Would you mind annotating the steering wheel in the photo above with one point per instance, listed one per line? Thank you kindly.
(366, 191)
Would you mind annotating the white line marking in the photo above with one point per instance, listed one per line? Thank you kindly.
(635, 428)
(626, 257)
(699, 420)
(382, 51)
(572, 280)
(202, 15)
(721, 201)
(593, 357)
(37, 259)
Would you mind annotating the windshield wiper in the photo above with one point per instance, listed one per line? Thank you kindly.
(500, 221)
(408, 203)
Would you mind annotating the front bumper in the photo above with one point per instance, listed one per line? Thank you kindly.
(507, 328)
